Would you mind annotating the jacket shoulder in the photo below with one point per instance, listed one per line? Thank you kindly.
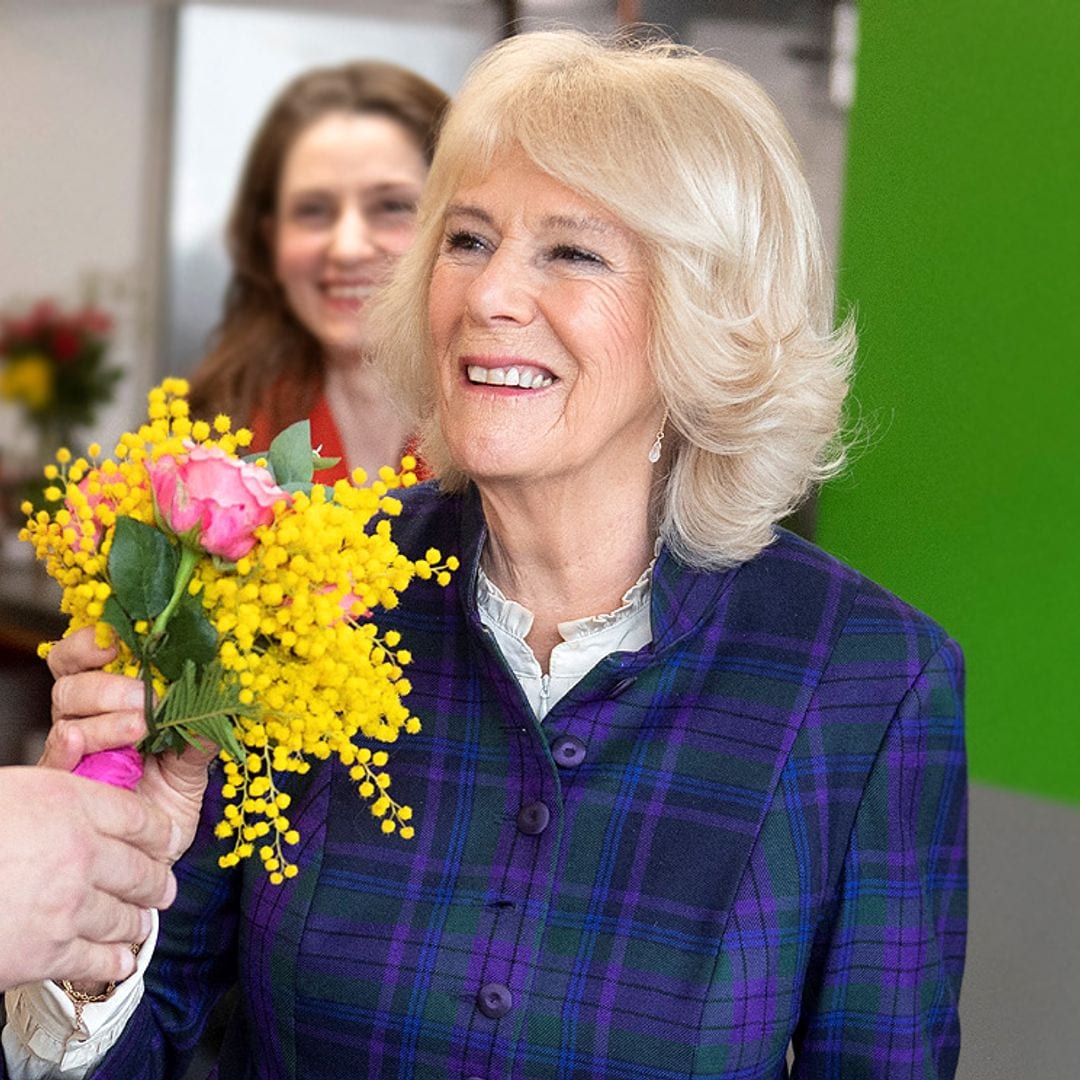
(799, 570)
(429, 518)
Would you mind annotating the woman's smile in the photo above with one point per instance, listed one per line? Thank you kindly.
(509, 373)
(347, 296)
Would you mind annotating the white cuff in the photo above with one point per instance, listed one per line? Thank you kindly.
(41, 1041)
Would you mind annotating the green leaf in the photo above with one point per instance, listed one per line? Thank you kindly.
(220, 730)
(189, 636)
(142, 568)
(290, 455)
(117, 618)
(202, 704)
(172, 740)
(319, 462)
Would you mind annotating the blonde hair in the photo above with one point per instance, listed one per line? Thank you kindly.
(691, 155)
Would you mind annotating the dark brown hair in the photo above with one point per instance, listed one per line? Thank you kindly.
(259, 342)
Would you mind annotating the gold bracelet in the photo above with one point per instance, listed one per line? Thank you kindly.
(80, 999)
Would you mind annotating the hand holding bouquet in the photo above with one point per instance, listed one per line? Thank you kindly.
(241, 593)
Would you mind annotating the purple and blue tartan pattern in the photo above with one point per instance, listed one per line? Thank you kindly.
(764, 842)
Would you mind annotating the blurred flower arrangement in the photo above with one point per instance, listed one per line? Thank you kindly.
(53, 366)
(242, 593)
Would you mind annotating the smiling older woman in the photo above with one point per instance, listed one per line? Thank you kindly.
(691, 790)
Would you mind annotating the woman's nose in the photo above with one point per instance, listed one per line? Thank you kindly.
(503, 290)
(352, 237)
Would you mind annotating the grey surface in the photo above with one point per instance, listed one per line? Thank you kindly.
(1020, 1004)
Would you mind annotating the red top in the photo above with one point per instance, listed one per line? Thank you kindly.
(325, 438)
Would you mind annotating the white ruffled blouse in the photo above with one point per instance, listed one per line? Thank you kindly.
(585, 641)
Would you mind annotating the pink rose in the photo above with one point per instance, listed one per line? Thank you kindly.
(121, 768)
(224, 498)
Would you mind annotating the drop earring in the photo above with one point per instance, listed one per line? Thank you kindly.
(654, 450)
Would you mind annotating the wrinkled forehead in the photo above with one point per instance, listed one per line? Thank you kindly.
(529, 175)
(537, 198)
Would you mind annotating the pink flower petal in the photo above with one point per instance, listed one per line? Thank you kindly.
(225, 498)
(122, 767)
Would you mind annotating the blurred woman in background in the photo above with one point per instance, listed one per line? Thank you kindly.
(326, 204)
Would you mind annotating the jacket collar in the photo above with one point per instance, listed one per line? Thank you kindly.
(681, 596)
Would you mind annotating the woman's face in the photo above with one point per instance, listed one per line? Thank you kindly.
(539, 323)
(346, 210)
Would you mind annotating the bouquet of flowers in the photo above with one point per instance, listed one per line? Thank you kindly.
(52, 364)
(242, 594)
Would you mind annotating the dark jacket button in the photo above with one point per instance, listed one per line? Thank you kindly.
(621, 685)
(494, 1000)
(533, 818)
(568, 751)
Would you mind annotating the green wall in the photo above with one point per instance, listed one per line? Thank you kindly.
(960, 249)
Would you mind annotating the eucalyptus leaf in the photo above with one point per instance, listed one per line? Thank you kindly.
(290, 455)
(142, 568)
(319, 462)
(190, 636)
(117, 618)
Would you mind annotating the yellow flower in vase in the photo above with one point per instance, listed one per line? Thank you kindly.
(29, 380)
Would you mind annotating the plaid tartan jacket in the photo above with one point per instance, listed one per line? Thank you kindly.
(749, 832)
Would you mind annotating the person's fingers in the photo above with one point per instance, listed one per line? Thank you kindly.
(91, 693)
(105, 919)
(92, 961)
(124, 872)
(68, 741)
(127, 817)
(187, 771)
(78, 652)
(64, 747)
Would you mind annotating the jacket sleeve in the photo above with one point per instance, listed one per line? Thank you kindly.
(882, 990)
(193, 964)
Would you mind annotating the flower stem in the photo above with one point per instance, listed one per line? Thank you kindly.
(148, 701)
(189, 559)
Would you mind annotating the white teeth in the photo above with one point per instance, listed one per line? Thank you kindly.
(526, 379)
(347, 292)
